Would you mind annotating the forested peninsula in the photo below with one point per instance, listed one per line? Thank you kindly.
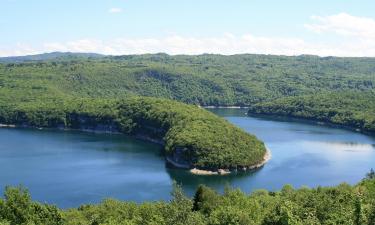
(192, 136)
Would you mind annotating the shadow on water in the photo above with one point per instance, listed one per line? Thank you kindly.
(190, 181)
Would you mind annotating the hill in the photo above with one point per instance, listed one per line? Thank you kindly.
(350, 109)
(49, 56)
(240, 80)
(205, 79)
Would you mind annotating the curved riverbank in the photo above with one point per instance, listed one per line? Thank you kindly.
(348, 109)
(281, 117)
(223, 107)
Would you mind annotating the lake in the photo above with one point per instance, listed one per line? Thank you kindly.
(70, 168)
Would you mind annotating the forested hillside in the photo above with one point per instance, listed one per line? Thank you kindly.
(343, 204)
(351, 109)
(203, 79)
(49, 56)
(241, 80)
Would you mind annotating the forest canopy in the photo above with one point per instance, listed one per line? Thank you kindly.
(240, 80)
(343, 204)
(351, 109)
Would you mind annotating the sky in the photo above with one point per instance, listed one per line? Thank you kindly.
(120, 27)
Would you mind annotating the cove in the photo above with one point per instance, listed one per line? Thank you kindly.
(72, 168)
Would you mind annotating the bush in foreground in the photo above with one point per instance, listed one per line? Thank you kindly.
(343, 204)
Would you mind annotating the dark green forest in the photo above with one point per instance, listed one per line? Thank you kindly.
(343, 204)
(240, 80)
(204, 79)
(350, 109)
(193, 137)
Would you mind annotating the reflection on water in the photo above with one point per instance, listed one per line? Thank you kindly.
(343, 146)
(303, 161)
(72, 168)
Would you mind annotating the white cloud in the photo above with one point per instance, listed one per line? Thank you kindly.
(360, 30)
(115, 10)
(345, 25)
(225, 44)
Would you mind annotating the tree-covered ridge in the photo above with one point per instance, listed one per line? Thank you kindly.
(343, 204)
(203, 79)
(193, 137)
(352, 109)
(49, 56)
(242, 80)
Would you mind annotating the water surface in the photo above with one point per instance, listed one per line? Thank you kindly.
(73, 168)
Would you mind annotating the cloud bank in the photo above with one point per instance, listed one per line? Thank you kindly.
(354, 36)
(345, 25)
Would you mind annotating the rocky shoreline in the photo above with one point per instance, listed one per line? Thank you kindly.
(197, 171)
(266, 158)
(224, 107)
(7, 125)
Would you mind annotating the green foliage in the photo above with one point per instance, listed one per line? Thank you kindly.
(371, 174)
(17, 208)
(351, 109)
(192, 136)
(343, 204)
(346, 85)
(59, 92)
(204, 79)
(205, 200)
(95, 92)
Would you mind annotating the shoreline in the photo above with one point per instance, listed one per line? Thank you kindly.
(195, 171)
(299, 119)
(267, 156)
(223, 107)
(88, 130)
(324, 123)
(7, 125)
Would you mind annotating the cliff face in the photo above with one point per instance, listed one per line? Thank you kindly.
(81, 122)
(179, 158)
(90, 123)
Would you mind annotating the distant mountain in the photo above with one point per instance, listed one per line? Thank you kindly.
(49, 56)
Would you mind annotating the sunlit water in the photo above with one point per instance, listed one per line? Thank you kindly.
(73, 168)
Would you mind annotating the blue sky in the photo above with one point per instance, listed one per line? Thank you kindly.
(322, 27)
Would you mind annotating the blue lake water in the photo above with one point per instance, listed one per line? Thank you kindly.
(74, 168)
